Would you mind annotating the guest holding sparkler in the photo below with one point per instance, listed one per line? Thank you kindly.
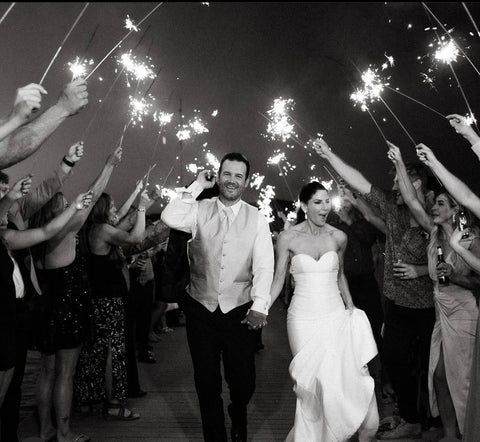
(27, 139)
(66, 321)
(453, 335)
(101, 373)
(469, 200)
(409, 312)
(18, 217)
(27, 100)
(463, 127)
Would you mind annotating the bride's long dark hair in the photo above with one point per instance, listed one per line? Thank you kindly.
(306, 194)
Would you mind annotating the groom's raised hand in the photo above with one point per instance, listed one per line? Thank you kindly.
(255, 320)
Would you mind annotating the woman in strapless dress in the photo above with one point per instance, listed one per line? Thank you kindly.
(331, 341)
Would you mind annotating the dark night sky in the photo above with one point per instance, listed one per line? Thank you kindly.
(238, 57)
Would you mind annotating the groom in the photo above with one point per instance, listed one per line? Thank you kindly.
(231, 270)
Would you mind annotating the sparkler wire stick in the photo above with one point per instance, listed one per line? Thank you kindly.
(153, 81)
(430, 13)
(124, 130)
(398, 121)
(153, 154)
(376, 124)
(101, 105)
(471, 18)
(331, 175)
(122, 40)
(416, 101)
(91, 38)
(286, 182)
(63, 42)
(7, 12)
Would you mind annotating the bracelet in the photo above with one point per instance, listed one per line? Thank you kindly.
(140, 210)
(68, 163)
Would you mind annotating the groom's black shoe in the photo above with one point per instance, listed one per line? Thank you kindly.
(239, 426)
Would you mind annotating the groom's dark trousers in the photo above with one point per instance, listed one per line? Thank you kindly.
(211, 338)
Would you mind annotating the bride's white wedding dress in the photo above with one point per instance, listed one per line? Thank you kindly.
(330, 347)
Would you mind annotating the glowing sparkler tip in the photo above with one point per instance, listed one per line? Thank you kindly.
(130, 25)
(447, 52)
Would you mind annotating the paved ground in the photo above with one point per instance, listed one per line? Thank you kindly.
(169, 412)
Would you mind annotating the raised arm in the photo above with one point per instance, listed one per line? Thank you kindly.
(28, 138)
(461, 126)
(21, 239)
(129, 201)
(117, 237)
(351, 175)
(19, 190)
(366, 210)
(44, 192)
(27, 99)
(407, 190)
(96, 189)
(455, 187)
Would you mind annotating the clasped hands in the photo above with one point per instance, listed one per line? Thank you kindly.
(255, 320)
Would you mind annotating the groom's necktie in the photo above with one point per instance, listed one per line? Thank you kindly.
(227, 217)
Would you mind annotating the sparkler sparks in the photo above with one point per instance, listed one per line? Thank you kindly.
(336, 203)
(137, 70)
(256, 180)
(78, 68)
(162, 118)
(447, 52)
(212, 160)
(279, 159)
(138, 109)
(373, 86)
(267, 194)
(280, 126)
(215, 113)
(198, 126)
(184, 133)
(327, 184)
(469, 119)
(130, 25)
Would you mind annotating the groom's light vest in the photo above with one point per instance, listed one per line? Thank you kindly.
(220, 260)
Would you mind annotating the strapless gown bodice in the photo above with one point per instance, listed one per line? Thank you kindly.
(316, 286)
(331, 347)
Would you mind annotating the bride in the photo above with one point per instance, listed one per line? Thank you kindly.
(331, 341)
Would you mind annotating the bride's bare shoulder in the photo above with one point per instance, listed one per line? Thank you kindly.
(339, 235)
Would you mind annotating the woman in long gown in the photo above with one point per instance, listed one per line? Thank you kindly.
(453, 336)
(331, 341)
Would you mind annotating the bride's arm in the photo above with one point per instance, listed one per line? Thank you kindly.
(282, 258)
(342, 280)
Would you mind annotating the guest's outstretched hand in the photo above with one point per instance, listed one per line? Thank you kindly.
(74, 96)
(394, 153)
(20, 188)
(322, 148)
(27, 101)
(75, 152)
(425, 155)
(459, 123)
(83, 200)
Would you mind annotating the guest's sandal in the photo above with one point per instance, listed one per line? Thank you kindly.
(122, 413)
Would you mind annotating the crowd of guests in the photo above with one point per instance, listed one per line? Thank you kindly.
(77, 279)
(85, 283)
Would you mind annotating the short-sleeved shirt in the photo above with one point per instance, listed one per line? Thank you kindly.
(406, 244)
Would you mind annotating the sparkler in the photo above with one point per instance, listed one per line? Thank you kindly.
(416, 101)
(447, 52)
(256, 181)
(279, 126)
(267, 194)
(78, 68)
(429, 13)
(63, 42)
(471, 18)
(124, 38)
(139, 108)
(275, 159)
(130, 25)
(7, 12)
(162, 118)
